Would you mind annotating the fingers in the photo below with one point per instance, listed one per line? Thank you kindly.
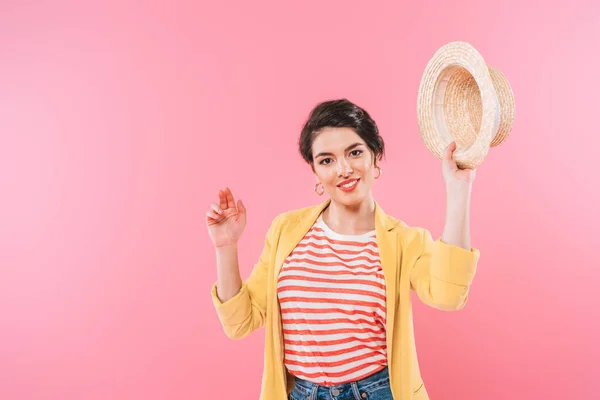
(448, 163)
(222, 200)
(216, 208)
(241, 207)
(230, 201)
(449, 150)
(213, 216)
(226, 201)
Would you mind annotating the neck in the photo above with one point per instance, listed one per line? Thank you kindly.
(352, 219)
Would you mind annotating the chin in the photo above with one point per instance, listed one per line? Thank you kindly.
(350, 200)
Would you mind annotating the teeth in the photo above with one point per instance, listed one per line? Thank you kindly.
(349, 185)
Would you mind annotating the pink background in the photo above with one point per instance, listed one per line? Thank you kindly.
(121, 121)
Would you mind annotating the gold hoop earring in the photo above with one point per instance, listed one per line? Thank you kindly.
(323, 191)
(380, 172)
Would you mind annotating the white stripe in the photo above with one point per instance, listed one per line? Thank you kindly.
(321, 272)
(344, 367)
(334, 268)
(316, 329)
(335, 336)
(333, 255)
(334, 286)
(342, 306)
(328, 317)
(348, 377)
(330, 296)
(320, 241)
(334, 347)
(333, 358)
(318, 261)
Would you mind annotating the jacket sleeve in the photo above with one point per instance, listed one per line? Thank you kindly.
(443, 273)
(246, 311)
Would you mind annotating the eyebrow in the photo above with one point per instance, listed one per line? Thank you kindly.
(345, 150)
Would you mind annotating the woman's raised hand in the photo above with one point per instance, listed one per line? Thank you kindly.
(226, 220)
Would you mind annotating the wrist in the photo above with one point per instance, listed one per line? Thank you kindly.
(226, 248)
(458, 191)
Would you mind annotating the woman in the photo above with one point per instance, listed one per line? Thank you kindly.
(333, 282)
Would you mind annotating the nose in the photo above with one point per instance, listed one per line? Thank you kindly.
(343, 168)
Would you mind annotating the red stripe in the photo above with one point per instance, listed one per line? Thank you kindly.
(326, 332)
(328, 321)
(362, 249)
(332, 301)
(288, 268)
(329, 342)
(291, 313)
(330, 310)
(333, 263)
(331, 364)
(332, 290)
(335, 255)
(374, 350)
(378, 285)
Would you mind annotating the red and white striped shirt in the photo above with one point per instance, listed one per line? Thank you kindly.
(332, 296)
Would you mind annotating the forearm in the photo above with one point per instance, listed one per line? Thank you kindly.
(229, 280)
(456, 226)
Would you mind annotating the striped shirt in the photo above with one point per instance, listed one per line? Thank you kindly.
(331, 292)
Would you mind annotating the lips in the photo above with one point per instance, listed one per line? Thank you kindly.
(348, 189)
(347, 181)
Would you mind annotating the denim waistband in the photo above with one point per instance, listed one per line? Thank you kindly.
(364, 382)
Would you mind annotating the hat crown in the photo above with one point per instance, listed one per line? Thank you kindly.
(463, 99)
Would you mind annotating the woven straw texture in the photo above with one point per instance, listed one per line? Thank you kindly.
(464, 100)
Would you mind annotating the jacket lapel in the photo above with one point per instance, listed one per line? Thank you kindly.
(389, 258)
(293, 234)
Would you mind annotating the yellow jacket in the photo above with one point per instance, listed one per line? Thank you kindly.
(439, 273)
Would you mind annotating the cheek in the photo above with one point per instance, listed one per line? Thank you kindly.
(327, 176)
(331, 179)
(364, 168)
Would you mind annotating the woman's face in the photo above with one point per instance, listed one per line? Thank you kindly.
(340, 155)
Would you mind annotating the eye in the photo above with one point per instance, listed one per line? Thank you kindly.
(322, 162)
(359, 152)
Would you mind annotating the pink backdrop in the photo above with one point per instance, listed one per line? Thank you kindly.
(120, 122)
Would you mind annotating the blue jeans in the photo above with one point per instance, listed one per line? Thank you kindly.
(373, 387)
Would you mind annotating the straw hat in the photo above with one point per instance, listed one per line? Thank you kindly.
(463, 99)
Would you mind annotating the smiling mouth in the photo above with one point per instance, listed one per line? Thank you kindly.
(349, 185)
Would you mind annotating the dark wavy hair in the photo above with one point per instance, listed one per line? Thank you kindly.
(337, 114)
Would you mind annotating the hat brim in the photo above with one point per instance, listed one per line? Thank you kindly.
(430, 103)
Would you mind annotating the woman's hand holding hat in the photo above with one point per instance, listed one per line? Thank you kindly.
(455, 177)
